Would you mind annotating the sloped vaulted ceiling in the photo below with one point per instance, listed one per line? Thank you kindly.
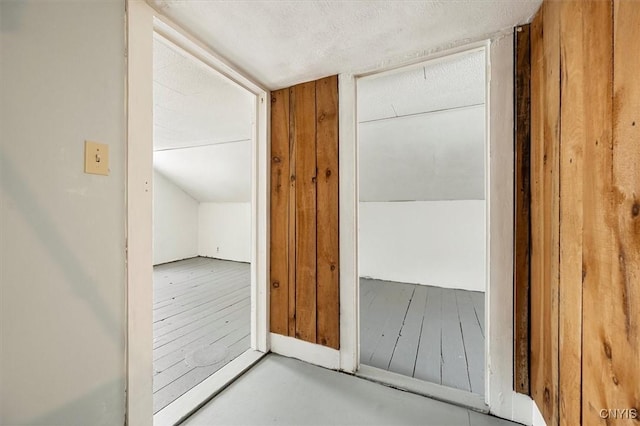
(202, 128)
(282, 43)
(422, 131)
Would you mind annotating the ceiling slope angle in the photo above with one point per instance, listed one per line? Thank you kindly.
(281, 43)
(421, 131)
(202, 128)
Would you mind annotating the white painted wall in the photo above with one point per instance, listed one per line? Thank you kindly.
(175, 222)
(439, 243)
(62, 247)
(225, 231)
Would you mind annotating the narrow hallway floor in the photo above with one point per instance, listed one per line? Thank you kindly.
(285, 391)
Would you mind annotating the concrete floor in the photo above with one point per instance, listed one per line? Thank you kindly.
(285, 391)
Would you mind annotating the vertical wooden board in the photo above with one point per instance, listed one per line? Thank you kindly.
(304, 134)
(598, 245)
(328, 255)
(545, 101)
(539, 326)
(279, 213)
(612, 238)
(292, 217)
(623, 384)
(522, 232)
(536, 372)
(551, 207)
(549, 175)
(574, 77)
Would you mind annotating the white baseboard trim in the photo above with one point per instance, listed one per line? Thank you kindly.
(305, 351)
(520, 408)
(538, 419)
(195, 398)
(431, 390)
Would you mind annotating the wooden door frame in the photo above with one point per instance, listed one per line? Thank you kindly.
(500, 398)
(143, 24)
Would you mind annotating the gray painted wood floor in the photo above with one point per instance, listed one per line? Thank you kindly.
(430, 333)
(284, 391)
(201, 322)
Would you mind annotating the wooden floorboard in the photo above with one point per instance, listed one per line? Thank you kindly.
(373, 322)
(428, 364)
(198, 303)
(180, 338)
(404, 355)
(472, 340)
(199, 312)
(398, 305)
(430, 333)
(193, 284)
(478, 304)
(454, 363)
(230, 290)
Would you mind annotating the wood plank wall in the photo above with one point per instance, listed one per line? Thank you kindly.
(545, 218)
(522, 219)
(304, 244)
(585, 211)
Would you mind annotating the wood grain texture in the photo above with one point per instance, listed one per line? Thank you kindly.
(292, 217)
(304, 246)
(625, 292)
(328, 250)
(545, 141)
(599, 233)
(536, 372)
(576, 75)
(304, 134)
(279, 212)
(598, 245)
(551, 209)
(522, 243)
(611, 367)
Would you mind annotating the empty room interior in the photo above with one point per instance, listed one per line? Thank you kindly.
(202, 167)
(319, 212)
(422, 221)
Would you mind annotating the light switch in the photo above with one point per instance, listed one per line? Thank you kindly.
(96, 158)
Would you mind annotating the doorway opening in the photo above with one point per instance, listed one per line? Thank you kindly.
(147, 32)
(422, 215)
(202, 221)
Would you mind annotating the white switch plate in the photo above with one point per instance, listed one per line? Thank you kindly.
(96, 158)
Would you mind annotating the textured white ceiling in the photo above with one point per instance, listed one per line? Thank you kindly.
(422, 132)
(193, 104)
(444, 84)
(437, 155)
(202, 128)
(216, 173)
(281, 43)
